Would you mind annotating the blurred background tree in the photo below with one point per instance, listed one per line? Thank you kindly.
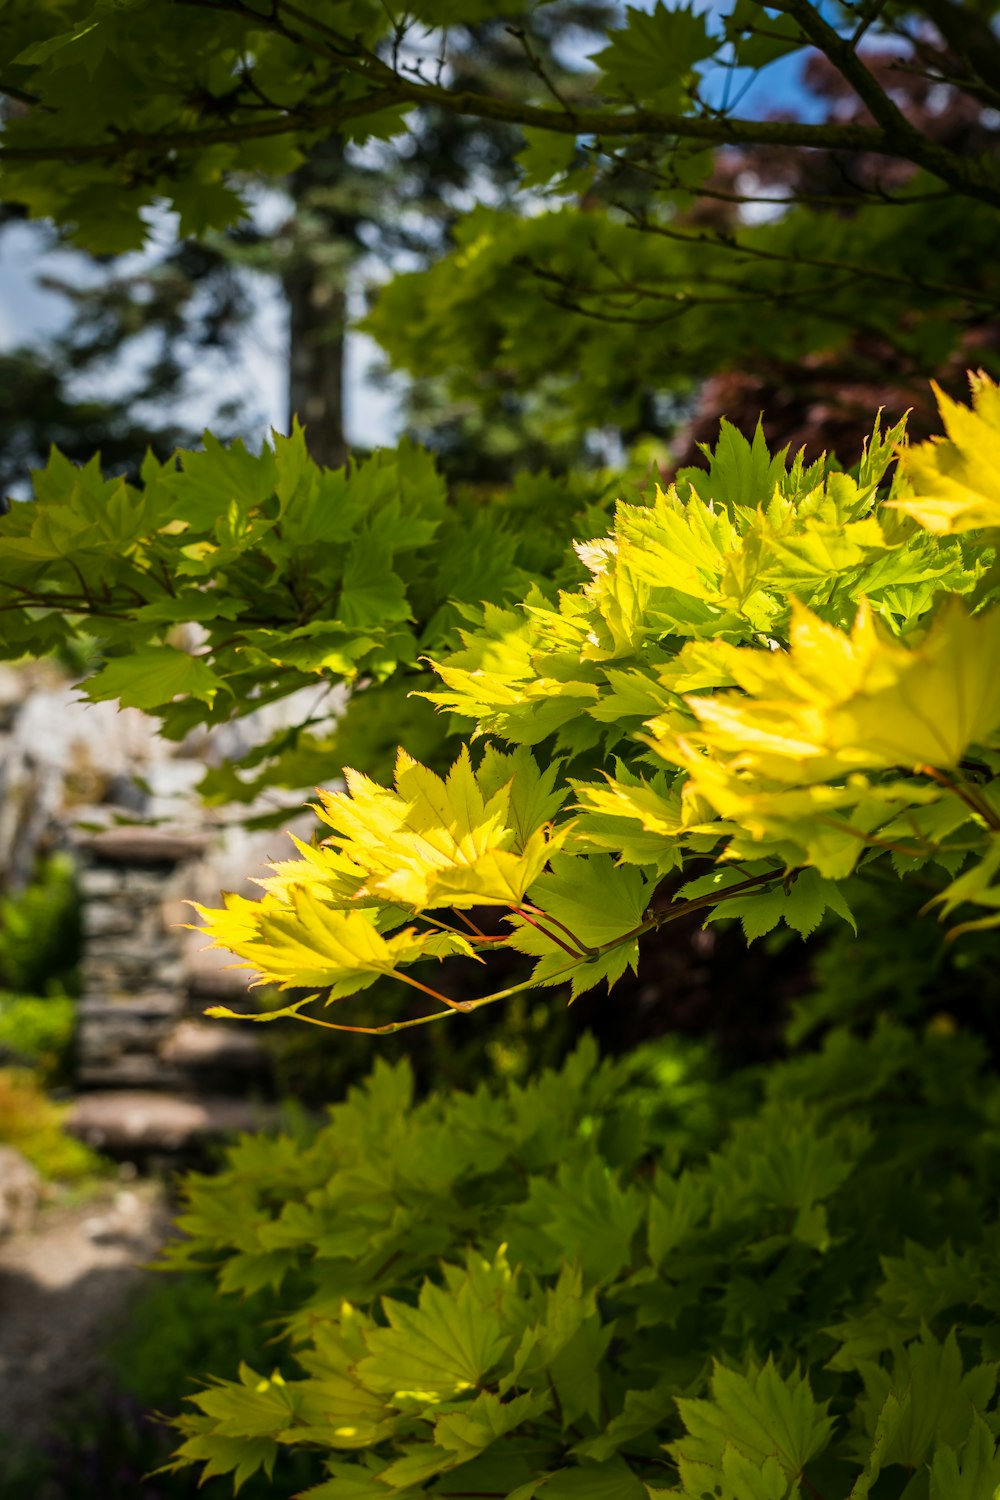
(337, 225)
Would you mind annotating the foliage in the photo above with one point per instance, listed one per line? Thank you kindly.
(791, 672)
(299, 575)
(856, 624)
(33, 1123)
(40, 930)
(40, 940)
(159, 328)
(598, 1256)
(37, 1029)
(748, 695)
(660, 210)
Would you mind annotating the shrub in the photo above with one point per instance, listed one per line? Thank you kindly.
(40, 931)
(33, 1123)
(625, 1275)
(37, 1030)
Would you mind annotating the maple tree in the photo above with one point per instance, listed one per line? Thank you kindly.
(765, 693)
(556, 1288)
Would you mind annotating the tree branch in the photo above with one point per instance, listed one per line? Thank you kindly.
(970, 37)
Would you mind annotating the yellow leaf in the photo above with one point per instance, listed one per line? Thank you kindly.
(301, 942)
(838, 703)
(434, 842)
(956, 479)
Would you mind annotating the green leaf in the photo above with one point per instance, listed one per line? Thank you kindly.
(588, 1217)
(937, 1402)
(372, 593)
(41, 52)
(643, 1412)
(153, 676)
(470, 1432)
(563, 1351)
(545, 155)
(762, 1415)
(777, 37)
(885, 1428)
(589, 904)
(613, 1480)
(676, 1208)
(651, 57)
(972, 1474)
(802, 906)
(445, 1345)
(739, 472)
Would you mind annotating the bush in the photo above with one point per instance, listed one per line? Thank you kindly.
(37, 1030)
(40, 932)
(625, 1275)
(33, 1123)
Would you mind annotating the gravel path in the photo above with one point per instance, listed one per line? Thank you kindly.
(64, 1287)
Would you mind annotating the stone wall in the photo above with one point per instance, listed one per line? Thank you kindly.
(71, 773)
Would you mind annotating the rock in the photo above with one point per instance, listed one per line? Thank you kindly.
(134, 844)
(125, 792)
(97, 881)
(20, 1191)
(149, 1005)
(127, 1121)
(125, 1222)
(118, 1040)
(220, 1046)
(107, 919)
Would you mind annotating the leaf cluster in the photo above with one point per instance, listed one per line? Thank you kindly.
(649, 160)
(562, 1287)
(228, 579)
(784, 674)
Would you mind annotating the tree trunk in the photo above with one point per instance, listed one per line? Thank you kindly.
(316, 316)
(314, 280)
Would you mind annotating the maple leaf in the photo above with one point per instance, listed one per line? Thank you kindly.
(955, 481)
(767, 1419)
(653, 53)
(303, 941)
(582, 905)
(466, 839)
(149, 677)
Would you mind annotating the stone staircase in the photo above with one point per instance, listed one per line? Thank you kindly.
(154, 1077)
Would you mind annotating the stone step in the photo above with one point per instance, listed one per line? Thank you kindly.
(217, 1046)
(143, 1042)
(149, 1005)
(138, 844)
(127, 1070)
(139, 1122)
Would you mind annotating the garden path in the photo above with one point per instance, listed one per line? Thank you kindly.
(65, 1285)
